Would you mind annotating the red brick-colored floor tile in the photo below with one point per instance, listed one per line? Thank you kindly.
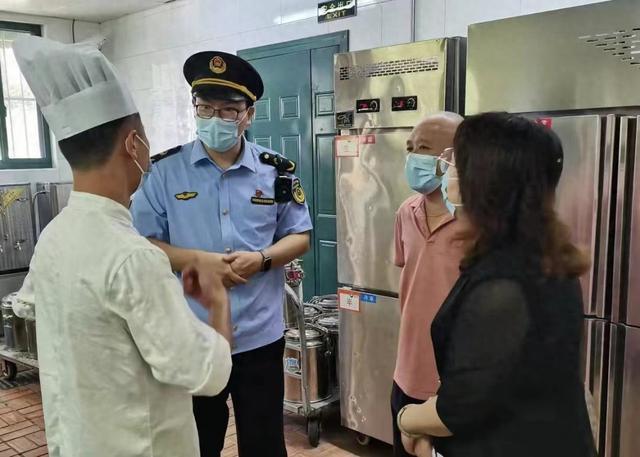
(14, 393)
(33, 399)
(39, 421)
(22, 444)
(39, 452)
(35, 414)
(31, 409)
(11, 418)
(8, 453)
(20, 433)
(18, 403)
(39, 438)
(14, 427)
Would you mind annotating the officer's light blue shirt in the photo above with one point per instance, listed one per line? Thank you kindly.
(189, 202)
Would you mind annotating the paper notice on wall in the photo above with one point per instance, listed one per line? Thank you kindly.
(349, 300)
(347, 146)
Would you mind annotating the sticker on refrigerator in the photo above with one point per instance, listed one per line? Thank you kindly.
(367, 139)
(347, 146)
(349, 300)
(344, 120)
(368, 298)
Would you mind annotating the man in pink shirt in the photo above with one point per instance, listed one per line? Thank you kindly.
(429, 251)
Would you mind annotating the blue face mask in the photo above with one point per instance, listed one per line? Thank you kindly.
(420, 171)
(217, 134)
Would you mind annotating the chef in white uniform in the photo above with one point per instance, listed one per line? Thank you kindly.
(120, 351)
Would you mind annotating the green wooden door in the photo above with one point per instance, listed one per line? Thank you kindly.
(295, 117)
(324, 170)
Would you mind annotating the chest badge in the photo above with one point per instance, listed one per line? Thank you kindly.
(186, 195)
(259, 199)
(298, 192)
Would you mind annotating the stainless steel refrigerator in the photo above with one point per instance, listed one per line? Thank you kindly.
(17, 237)
(577, 71)
(380, 95)
(49, 200)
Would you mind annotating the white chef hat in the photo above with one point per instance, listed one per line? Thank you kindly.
(75, 85)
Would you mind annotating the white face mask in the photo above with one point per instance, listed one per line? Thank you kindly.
(450, 181)
(143, 174)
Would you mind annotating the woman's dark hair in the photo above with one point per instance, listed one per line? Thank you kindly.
(509, 168)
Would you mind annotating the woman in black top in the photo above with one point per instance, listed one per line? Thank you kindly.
(507, 339)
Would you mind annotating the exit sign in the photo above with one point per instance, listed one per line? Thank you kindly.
(337, 9)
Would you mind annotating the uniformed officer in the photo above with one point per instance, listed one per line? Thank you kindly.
(214, 201)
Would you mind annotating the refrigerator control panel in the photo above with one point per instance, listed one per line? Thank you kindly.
(404, 103)
(369, 105)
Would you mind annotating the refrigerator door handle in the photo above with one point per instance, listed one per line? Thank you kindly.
(597, 305)
(598, 374)
(612, 429)
(627, 144)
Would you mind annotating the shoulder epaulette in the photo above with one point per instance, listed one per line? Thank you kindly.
(165, 154)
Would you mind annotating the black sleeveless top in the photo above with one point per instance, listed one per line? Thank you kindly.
(507, 344)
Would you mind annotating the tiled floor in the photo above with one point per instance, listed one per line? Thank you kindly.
(21, 423)
(22, 431)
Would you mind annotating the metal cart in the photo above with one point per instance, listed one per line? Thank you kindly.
(12, 359)
(312, 411)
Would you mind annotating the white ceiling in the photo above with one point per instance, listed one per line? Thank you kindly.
(84, 10)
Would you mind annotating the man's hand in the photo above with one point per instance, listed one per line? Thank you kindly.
(423, 447)
(245, 264)
(207, 289)
(213, 264)
(420, 447)
(409, 444)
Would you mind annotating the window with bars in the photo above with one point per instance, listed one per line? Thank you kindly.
(24, 135)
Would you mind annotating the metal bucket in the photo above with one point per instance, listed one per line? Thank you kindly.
(15, 333)
(32, 344)
(330, 324)
(316, 371)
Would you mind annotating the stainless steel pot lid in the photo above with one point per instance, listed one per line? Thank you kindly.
(294, 334)
(310, 311)
(329, 321)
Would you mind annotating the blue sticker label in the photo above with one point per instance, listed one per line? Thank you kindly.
(368, 298)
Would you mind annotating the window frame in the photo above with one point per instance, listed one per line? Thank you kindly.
(7, 163)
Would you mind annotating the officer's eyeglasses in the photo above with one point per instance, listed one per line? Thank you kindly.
(226, 114)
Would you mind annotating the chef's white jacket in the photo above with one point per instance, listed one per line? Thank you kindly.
(120, 352)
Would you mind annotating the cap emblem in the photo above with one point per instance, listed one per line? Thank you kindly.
(218, 65)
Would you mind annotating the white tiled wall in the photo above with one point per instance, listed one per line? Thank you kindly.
(437, 18)
(57, 29)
